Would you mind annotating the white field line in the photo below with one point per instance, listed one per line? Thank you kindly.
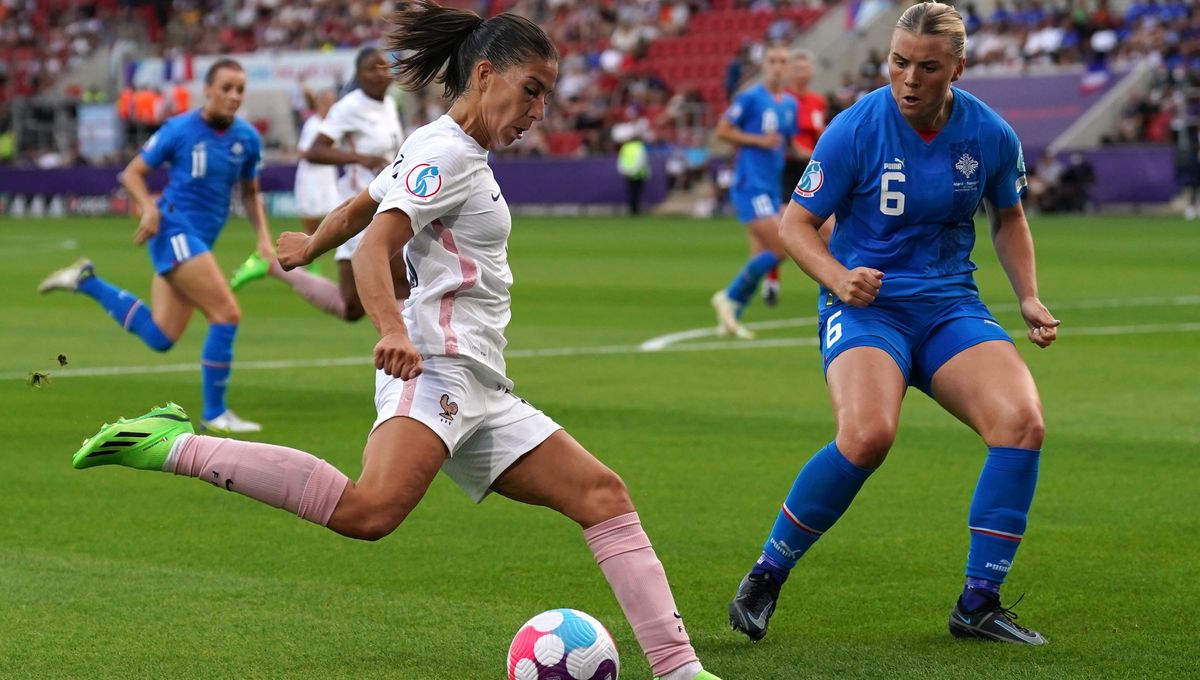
(662, 342)
(659, 344)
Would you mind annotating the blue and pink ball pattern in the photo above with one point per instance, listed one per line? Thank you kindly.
(563, 644)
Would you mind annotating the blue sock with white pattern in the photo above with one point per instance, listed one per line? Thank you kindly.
(999, 512)
(821, 493)
(127, 310)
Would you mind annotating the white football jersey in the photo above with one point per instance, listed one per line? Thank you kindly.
(364, 126)
(457, 259)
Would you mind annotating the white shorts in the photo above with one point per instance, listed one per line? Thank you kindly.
(316, 193)
(345, 251)
(486, 428)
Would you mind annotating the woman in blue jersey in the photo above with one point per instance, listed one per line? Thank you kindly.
(904, 171)
(207, 151)
(761, 123)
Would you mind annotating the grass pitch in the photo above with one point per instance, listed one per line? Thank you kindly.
(113, 573)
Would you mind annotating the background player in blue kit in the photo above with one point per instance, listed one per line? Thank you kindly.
(904, 171)
(761, 122)
(208, 151)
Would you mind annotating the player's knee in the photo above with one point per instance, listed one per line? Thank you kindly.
(866, 445)
(604, 497)
(227, 313)
(377, 523)
(1021, 426)
(366, 517)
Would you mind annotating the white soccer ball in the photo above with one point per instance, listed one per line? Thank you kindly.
(563, 644)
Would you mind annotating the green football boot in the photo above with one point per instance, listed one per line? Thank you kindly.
(704, 675)
(254, 268)
(141, 443)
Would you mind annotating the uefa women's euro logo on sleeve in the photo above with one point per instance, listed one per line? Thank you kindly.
(423, 181)
(812, 180)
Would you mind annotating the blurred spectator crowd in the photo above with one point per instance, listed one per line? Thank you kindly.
(606, 92)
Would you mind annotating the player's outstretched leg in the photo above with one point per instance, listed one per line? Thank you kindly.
(252, 269)
(319, 291)
(278, 476)
(143, 442)
(122, 306)
(990, 621)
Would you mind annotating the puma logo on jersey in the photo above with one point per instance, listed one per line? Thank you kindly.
(449, 409)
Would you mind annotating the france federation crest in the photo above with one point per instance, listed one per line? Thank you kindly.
(423, 181)
(812, 180)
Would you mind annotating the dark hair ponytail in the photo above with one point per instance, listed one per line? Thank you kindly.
(437, 37)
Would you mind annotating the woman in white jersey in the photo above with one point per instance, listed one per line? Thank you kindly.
(362, 133)
(316, 185)
(442, 396)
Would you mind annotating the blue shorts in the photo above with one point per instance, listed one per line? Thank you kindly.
(919, 327)
(172, 246)
(754, 204)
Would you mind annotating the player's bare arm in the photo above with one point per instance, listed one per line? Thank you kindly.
(729, 132)
(133, 178)
(1014, 249)
(323, 152)
(297, 249)
(395, 353)
(252, 202)
(801, 234)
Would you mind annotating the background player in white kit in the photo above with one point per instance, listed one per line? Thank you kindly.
(316, 184)
(363, 133)
(442, 396)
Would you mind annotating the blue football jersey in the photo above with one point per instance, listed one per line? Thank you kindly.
(905, 206)
(204, 164)
(759, 112)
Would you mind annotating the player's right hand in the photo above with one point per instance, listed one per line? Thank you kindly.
(291, 248)
(147, 226)
(771, 140)
(859, 287)
(396, 355)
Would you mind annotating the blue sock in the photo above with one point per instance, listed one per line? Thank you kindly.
(973, 597)
(742, 288)
(822, 492)
(999, 511)
(216, 362)
(127, 311)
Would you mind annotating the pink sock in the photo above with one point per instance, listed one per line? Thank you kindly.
(627, 559)
(318, 290)
(275, 475)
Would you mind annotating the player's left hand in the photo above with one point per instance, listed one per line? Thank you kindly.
(1043, 327)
